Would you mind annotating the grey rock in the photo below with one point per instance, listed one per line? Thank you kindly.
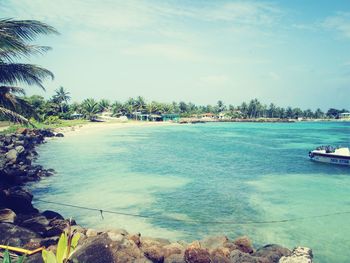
(299, 255)
(19, 149)
(20, 201)
(195, 254)
(95, 250)
(7, 216)
(36, 258)
(154, 253)
(238, 256)
(37, 224)
(91, 232)
(16, 236)
(272, 252)
(11, 155)
(52, 215)
(244, 244)
(214, 242)
(175, 258)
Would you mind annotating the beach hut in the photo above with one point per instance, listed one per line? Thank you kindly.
(155, 117)
(344, 115)
(76, 115)
(171, 117)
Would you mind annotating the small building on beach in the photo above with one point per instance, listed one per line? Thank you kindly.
(344, 115)
(171, 117)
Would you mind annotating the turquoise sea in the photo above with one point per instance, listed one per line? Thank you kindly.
(199, 180)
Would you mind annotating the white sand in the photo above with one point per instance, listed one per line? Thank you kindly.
(98, 126)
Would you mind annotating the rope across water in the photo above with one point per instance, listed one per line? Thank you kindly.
(101, 211)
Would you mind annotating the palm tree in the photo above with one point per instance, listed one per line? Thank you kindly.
(140, 103)
(104, 105)
(90, 108)
(152, 107)
(14, 38)
(61, 97)
(14, 107)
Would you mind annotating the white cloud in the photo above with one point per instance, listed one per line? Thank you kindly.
(339, 22)
(131, 14)
(109, 15)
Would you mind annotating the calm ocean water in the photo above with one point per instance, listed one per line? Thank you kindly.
(229, 172)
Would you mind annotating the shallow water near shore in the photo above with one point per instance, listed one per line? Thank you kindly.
(206, 177)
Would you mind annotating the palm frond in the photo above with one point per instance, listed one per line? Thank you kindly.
(14, 73)
(11, 89)
(10, 52)
(13, 116)
(25, 29)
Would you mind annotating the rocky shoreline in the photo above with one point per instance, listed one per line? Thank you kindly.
(22, 225)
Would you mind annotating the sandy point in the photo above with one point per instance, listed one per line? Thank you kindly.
(104, 125)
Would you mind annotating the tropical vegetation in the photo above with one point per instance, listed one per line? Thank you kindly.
(58, 108)
(15, 44)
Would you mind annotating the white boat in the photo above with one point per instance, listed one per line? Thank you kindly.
(329, 154)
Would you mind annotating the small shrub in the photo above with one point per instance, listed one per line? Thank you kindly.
(65, 248)
(7, 258)
(52, 120)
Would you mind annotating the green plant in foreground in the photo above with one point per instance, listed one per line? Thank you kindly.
(7, 258)
(65, 248)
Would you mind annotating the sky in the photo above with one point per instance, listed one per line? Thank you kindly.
(293, 53)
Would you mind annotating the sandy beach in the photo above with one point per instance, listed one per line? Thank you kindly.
(98, 126)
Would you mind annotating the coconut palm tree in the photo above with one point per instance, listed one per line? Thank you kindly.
(14, 38)
(61, 97)
(104, 105)
(90, 108)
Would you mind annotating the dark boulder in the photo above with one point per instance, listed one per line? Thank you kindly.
(7, 216)
(272, 252)
(244, 244)
(36, 258)
(154, 253)
(195, 254)
(175, 258)
(59, 135)
(16, 236)
(52, 215)
(20, 201)
(238, 256)
(96, 250)
(37, 223)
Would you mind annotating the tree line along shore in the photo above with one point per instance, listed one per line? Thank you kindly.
(58, 107)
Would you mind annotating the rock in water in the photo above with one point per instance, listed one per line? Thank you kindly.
(197, 255)
(52, 215)
(214, 242)
(20, 201)
(272, 252)
(244, 244)
(238, 256)
(299, 255)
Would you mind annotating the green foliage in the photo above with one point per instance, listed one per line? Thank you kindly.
(90, 108)
(52, 120)
(65, 248)
(15, 37)
(7, 258)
